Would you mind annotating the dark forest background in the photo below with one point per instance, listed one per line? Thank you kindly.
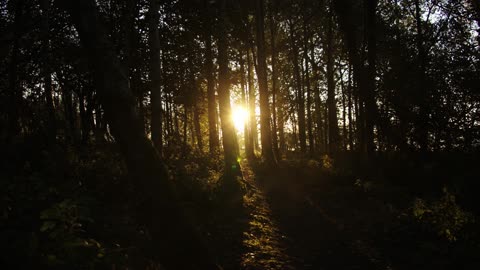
(119, 150)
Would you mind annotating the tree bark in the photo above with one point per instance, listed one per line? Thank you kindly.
(246, 130)
(265, 128)
(155, 74)
(15, 93)
(274, 79)
(46, 70)
(232, 168)
(251, 105)
(333, 136)
(370, 106)
(311, 140)
(299, 93)
(213, 141)
(173, 240)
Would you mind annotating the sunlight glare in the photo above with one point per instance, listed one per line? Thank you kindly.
(239, 117)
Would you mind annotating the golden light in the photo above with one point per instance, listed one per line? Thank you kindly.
(239, 117)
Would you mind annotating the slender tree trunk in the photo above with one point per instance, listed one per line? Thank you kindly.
(333, 136)
(344, 114)
(317, 103)
(350, 119)
(274, 79)
(15, 94)
(246, 130)
(281, 128)
(213, 141)
(265, 129)
(173, 240)
(251, 104)
(299, 93)
(197, 126)
(232, 167)
(46, 69)
(155, 74)
(370, 106)
(311, 140)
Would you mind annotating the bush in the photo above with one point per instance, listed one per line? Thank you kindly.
(444, 216)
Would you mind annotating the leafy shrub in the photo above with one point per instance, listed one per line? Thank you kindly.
(443, 216)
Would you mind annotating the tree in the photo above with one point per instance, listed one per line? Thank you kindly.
(212, 104)
(265, 128)
(172, 236)
(154, 74)
(232, 168)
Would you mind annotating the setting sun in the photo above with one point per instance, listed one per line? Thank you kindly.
(239, 117)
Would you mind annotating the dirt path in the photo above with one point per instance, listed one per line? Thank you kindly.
(266, 245)
(288, 230)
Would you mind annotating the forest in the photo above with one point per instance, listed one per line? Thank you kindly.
(228, 134)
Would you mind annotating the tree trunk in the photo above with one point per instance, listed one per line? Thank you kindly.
(251, 104)
(173, 240)
(47, 74)
(311, 141)
(274, 79)
(265, 129)
(333, 136)
(155, 74)
(299, 93)
(370, 106)
(15, 94)
(246, 130)
(197, 126)
(350, 119)
(213, 141)
(232, 168)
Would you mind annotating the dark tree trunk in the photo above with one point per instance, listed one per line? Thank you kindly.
(370, 106)
(155, 75)
(15, 94)
(213, 141)
(274, 79)
(333, 136)
(317, 103)
(265, 128)
(299, 93)
(246, 130)
(350, 118)
(251, 106)
(311, 140)
(232, 167)
(173, 240)
(197, 126)
(46, 69)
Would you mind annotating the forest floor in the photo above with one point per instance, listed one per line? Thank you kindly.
(297, 218)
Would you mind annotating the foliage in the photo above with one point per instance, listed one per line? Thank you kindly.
(444, 216)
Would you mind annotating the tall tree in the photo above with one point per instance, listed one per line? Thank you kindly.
(47, 73)
(155, 74)
(173, 240)
(274, 56)
(232, 168)
(213, 141)
(265, 128)
(333, 134)
(253, 134)
(370, 105)
(300, 97)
